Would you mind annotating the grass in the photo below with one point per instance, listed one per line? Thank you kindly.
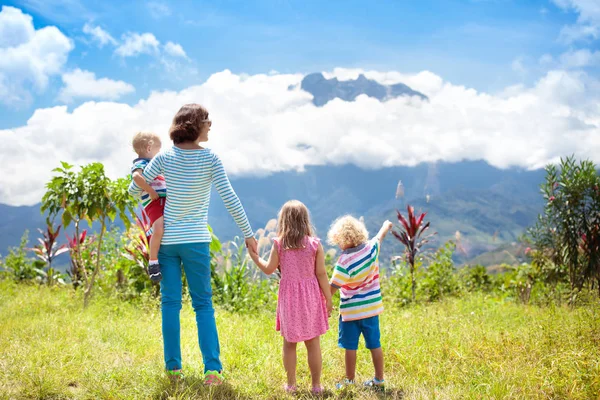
(471, 348)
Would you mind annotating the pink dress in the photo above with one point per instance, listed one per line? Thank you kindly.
(301, 308)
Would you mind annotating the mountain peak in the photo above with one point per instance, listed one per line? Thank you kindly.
(325, 90)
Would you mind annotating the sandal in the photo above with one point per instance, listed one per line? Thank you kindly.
(375, 384)
(346, 382)
(290, 389)
(317, 391)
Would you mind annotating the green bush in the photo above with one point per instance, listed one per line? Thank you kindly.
(18, 266)
(397, 286)
(439, 278)
(475, 279)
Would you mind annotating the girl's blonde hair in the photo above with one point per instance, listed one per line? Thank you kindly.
(293, 224)
(347, 232)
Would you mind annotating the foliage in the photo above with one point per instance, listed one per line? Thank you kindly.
(475, 278)
(77, 245)
(47, 250)
(137, 249)
(523, 278)
(398, 285)
(19, 267)
(411, 236)
(235, 287)
(439, 279)
(568, 232)
(88, 195)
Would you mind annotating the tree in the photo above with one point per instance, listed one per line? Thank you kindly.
(411, 235)
(91, 196)
(568, 232)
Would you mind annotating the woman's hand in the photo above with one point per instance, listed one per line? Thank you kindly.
(252, 244)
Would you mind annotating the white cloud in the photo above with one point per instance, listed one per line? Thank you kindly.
(135, 44)
(101, 36)
(174, 49)
(259, 126)
(588, 21)
(580, 58)
(28, 57)
(83, 84)
(158, 9)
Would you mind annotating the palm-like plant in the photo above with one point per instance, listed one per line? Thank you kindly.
(139, 248)
(412, 236)
(78, 272)
(48, 250)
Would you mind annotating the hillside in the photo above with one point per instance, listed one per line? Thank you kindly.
(488, 206)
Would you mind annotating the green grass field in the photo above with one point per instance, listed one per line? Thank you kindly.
(470, 348)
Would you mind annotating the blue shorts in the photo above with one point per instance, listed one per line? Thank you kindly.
(350, 332)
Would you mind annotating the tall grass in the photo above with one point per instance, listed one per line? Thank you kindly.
(476, 347)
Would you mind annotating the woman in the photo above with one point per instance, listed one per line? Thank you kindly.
(189, 171)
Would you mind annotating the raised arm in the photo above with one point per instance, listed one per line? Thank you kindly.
(385, 228)
(231, 200)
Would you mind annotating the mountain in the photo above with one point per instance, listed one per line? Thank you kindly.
(488, 206)
(325, 90)
(14, 221)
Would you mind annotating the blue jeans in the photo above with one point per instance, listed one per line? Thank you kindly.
(195, 258)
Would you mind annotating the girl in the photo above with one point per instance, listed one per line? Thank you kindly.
(304, 298)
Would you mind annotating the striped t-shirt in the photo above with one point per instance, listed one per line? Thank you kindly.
(189, 175)
(356, 275)
(158, 183)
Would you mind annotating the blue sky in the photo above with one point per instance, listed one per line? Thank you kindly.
(472, 43)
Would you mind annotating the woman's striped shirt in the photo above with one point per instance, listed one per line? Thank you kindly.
(356, 274)
(189, 175)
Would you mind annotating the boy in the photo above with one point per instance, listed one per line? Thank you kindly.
(356, 275)
(147, 145)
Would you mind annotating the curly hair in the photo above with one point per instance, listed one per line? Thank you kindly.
(347, 232)
(293, 224)
(187, 123)
(142, 140)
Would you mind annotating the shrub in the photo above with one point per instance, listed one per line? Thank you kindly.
(18, 266)
(568, 232)
(475, 279)
(439, 279)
